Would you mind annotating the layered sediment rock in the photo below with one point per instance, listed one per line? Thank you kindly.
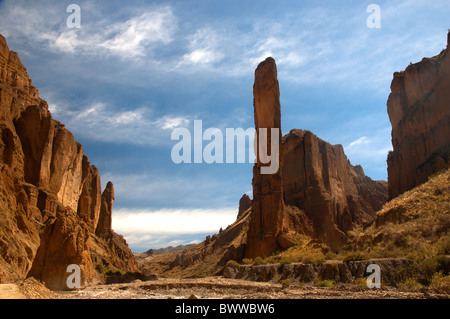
(50, 195)
(419, 112)
(266, 220)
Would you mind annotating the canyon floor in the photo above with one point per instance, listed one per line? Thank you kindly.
(209, 288)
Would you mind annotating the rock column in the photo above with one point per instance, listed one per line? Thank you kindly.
(268, 205)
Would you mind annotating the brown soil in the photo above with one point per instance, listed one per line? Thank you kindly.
(27, 289)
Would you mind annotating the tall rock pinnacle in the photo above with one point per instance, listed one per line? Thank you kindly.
(105, 219)
(268, 205)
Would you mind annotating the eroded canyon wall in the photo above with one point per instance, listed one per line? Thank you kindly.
(50, 195)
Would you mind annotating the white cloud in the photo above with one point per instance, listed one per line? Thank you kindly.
(323, 44)
(204, 47)
(102, 122)
(169, 122)
(172, 221)
(371, 151)
(135, 37)
(200, 56)
(146, 228)
(130, 38)
(361, 140)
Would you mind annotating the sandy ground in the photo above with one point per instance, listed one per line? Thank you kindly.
(11, 291)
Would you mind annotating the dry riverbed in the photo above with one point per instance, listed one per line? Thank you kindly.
(221, 288)
(208, 288)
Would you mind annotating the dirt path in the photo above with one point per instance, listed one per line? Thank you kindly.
(220, 288)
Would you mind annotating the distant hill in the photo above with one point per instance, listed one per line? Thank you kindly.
(166, 250)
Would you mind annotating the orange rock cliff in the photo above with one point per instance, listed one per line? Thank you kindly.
(52, 211)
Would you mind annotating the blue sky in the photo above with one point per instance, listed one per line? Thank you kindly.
(136, 70)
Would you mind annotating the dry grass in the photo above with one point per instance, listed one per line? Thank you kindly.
(414, 225)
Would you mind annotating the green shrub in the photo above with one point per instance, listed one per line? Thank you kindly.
(247, 261)
(285, 260)
(258, 261)
(285, 282)
(355, 256)
(232, 263)
(100, 268)
(331, 256)
(325, 283)
(361, 282)
(426, 269)
(441, 282)
(410, 284)
(109, 271)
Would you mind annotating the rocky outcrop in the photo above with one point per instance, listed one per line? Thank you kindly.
(266, 220)
(105, 218)
(316, 191)
(244, 203)
(90, 200)
(63, 243)
(50, 195)
(419, 112)
(392, 271)
(331, 193)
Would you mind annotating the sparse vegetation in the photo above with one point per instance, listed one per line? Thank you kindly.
(355, 256)
(415, 225)
(360, 282)
(410, 284)
(285, 282)
(440, 282)
(259, 261)
(109, 271)
(324, 283)
(247, 261)
(232, 263)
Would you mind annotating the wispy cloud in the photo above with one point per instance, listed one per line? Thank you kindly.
(132, 37)
(177, 187)
(371, 151)
(320, 45)
(127, 38)
(203, 48)
(107, 123)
